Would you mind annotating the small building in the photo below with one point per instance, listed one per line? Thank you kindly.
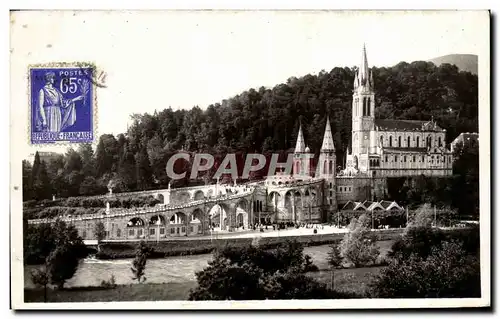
(383, 214)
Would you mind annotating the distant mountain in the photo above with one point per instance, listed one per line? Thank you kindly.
(465, 62)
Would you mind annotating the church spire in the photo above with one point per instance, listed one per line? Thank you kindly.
(363, 68)
(300, 146)
(328, 138)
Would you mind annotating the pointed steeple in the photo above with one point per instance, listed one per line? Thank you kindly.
(363, 68)
(300, 146)
(328, 138)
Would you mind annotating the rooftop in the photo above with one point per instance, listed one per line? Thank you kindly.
(406, 125)
(405, 149)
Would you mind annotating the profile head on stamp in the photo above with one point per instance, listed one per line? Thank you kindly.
(50, 77)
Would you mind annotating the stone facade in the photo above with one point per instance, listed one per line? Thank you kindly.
(392, 148)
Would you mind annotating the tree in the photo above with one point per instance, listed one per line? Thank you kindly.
(63, 260)
(358, 247)
(127, 168)
(27, 181)
(466, 184)
(424, 217)
(447, 272)
(87, 157)
(334, 261)
(38, 242)
(62, 264)
(100, 234)
(106, 155)
(89, 186)
(41, 183)
(139, 263)
(143, 170)
(41, 278)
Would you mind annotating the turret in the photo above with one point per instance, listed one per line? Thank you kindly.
(300, 145)
(301, 156)
(326, 160)
(328, 145)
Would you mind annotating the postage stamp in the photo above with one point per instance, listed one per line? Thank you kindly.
(62, 102)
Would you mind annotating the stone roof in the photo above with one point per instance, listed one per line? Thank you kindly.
(406, 125)
(300, 146)
(405, 149)
(328, 144)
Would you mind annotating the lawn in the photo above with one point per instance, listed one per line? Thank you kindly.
(133, 292)
(354, 280)
(348, 280)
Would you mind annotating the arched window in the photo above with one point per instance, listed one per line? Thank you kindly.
(429, 141)
(330, 171)
(418, 141)
(386, 158)
(324, 168)
(368, 107)
(439, 141)
(399, 141)
(413, 158)
(381, 141)
(408, 142)
(390, 141)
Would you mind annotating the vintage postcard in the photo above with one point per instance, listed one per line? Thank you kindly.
(244, 159)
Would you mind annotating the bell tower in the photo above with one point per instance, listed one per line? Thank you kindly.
(363, 108)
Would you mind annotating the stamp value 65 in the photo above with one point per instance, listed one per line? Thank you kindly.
(61, 104)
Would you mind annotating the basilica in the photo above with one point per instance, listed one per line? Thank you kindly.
(380, 148)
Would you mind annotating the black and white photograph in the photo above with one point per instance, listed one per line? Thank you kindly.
(265, 159)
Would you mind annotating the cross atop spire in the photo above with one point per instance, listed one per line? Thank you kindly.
(328, 138)
(300, 146)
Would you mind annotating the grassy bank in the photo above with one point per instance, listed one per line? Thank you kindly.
(346, 280)
(352, 280)
(133, 292)
(116, 250)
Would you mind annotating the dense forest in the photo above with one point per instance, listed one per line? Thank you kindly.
(263, 120)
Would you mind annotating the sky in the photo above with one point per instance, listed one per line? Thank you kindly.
(157, 59)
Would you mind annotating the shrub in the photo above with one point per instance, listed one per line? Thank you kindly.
(447, 272)
(309, 265)
(139, 263)
(109, 284)
(62, 264)
(41, 278)
(253, 273)
(417, 240)
(359, 246)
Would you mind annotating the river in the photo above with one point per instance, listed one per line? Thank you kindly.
(171, 269)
